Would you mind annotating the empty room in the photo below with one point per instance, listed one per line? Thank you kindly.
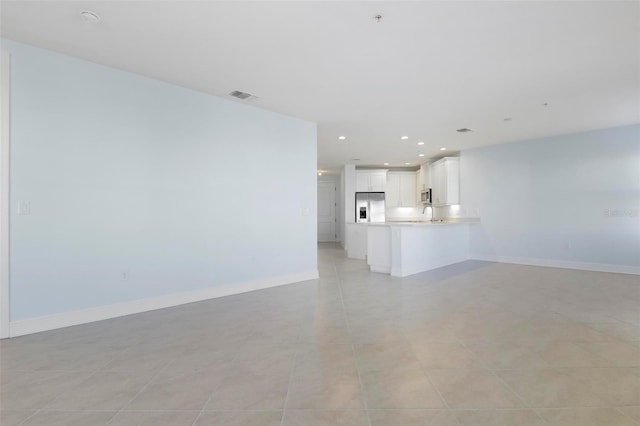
(310, 213)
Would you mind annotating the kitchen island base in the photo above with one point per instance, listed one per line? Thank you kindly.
(406, 249)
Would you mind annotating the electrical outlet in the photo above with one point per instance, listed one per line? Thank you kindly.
(124, 275)
(24, 208)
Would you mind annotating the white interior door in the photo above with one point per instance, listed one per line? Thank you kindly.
(326, 211)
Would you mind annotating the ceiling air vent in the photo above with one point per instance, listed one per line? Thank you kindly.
(464, 130)
(242, 95)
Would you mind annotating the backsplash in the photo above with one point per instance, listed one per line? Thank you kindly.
(415, 213)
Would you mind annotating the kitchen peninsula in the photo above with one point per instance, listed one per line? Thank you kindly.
(406, 248)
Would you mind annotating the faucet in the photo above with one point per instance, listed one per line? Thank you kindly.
(425, 208)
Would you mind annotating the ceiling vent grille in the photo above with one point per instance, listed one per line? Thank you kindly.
(242, 95)
(464, 130)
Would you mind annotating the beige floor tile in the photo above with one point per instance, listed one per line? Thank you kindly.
(327, 357)
(550, 388)
(618, 329)
(411, 418)
(399, 389)
(603, 416)
(385, 357)
(38, 388)
(246, 390)
(14, 417)
(619, 386)
(313, 388)
(563, 353)
(175, 391)
(105, 390)
(517, 417)
(154, 418)
(507, 355)
(202, 358)
(69, 418)
(445, 355)
(621, 354)
(468, 389)
(325, 417)
(633, 412)
(240, 418)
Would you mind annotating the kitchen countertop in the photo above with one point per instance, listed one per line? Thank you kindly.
(456, 221)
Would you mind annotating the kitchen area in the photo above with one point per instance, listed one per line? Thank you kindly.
(407, 220)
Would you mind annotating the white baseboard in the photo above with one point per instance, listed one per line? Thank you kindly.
(67, 319)
(551, 263)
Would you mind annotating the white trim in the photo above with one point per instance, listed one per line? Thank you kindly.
(551, 263)
(67, 319)
(5, 70)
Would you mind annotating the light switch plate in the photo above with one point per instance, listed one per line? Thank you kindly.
(24, 208)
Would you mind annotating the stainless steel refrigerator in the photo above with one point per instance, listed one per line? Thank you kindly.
(369, 207)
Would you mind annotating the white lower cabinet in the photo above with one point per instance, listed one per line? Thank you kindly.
(401, 189)
(357, 240)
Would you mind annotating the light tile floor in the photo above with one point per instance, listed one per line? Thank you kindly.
(471, 344)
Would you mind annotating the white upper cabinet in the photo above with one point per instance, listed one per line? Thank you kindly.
(423, 181)
(445, 181)
(371, 180)
(401, 189)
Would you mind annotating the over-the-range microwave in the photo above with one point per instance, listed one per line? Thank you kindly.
(425, 196)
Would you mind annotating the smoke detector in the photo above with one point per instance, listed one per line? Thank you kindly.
(243, 95)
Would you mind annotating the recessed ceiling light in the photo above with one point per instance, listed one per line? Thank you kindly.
(342, 137)
(404, 138)
(319, 173)
(90, 17)
(420, 155)
(386, 164)
(406, 164)
(508, 119)
(443, 149)
(420, 143)
(464, 130)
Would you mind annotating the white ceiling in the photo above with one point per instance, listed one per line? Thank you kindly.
(425, 70)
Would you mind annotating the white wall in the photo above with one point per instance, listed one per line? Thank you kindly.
(341, 211)
(349, 174)
(181, 190)
(568, 201)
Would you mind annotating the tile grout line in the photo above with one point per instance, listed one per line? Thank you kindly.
(140, 391)
(96, 371)
(503, 382)
(214, 390)
(353, 350)
(426, 373)
(286, 398)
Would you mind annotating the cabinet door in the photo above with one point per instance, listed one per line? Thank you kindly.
(392, 193)
(438, 183)
(452, 182)
(408, 190)
(362, 181)
(425, 182)
(378, 182)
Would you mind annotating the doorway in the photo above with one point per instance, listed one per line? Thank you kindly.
(327, 211)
